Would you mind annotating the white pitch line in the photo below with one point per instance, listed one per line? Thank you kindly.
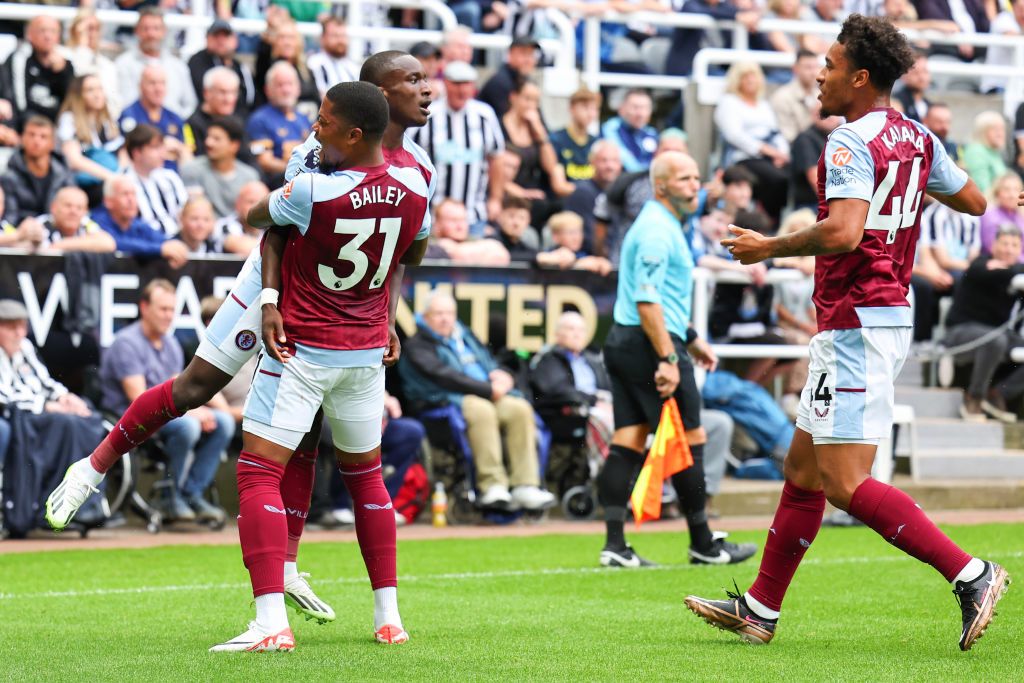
(456, 576)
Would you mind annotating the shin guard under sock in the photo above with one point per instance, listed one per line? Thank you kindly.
(614, 484)
(296, 492)
(375, 522)
(262, 525)
(143, 418)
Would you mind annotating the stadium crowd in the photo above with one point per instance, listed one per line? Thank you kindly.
(112, 140)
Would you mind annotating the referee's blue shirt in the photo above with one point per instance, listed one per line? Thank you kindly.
(656, 267)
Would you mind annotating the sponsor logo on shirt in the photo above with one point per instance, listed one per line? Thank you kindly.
(842, 156)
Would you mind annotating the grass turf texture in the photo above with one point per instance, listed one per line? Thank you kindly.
(504, 609)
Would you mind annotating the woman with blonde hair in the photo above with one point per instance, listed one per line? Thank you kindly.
(84, 54)
(1002, 209)
(751, 135)
(983, 157)
(89, 137)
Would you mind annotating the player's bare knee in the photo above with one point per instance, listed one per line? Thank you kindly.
(197, 384)
(838, 491)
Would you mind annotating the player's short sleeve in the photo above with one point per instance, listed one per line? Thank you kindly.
(428, 219)
(293, 203)
(945, 176)
(849, 168)
(305, 158)
(650, 265)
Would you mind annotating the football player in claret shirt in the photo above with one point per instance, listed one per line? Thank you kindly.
(233, 337)
(872, 177)
(349, 230)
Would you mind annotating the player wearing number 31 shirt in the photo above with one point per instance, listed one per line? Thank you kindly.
(872, 180)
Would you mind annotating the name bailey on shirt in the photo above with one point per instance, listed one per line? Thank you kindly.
(376, 195)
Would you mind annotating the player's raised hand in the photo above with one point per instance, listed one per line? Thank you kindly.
(273, 333)
(748, 246)
(394, 351)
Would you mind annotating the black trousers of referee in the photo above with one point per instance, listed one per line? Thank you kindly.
(632, 361)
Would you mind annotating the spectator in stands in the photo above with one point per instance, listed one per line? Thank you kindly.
(902, 14)
(237, 236)
(737, 190)
(515, 232)
(520, 63)
(807, 149)
(89, 137)
(829, 10)
(332, 65)
(793, 102)
(455, 46)
(8, 137)
(221, 45)
(632, 132)
(463, 137)
(572, 143)
(277, 127)
(914, 85)
(604, 159)
(453, 241)
(970, 16)
(83, 47)
(134, 236)
(197, 223)
(983, 157)
(541, 178)
(1009, 22)
(953, 238)
(34, 173)
(219, 173)
(567, 250)
(794, 309)
(287, 46)
(69, 227)
(1018, 139)
(751, 136)
(618, 43)
(1003, 211)
(36, 77)
(566, 378)
(430, 57)
(780, 41)
(146, 354)
(445, 364)
(687, 41)
(981, 304)
(149, 109)
(150, 33)
(29, 235)
(938, 119)
(220, 97)
(161, 192)
(616, 208)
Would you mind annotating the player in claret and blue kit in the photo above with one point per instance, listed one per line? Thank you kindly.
(872, 178)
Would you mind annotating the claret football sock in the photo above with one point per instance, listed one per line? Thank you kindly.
(796, 524)
(296, 492)
(898, 519)
(375, 521)
(147, 414)
(262, 528)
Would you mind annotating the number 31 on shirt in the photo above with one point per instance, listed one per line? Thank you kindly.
(361, 230)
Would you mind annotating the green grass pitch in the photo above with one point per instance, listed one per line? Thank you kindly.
(505, 609)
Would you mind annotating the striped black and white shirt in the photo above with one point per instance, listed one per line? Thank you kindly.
(328, 71)
(957, 233)
(25, 382)
(161, 196)
(461, 143)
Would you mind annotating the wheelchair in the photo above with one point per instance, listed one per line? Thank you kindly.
(449, 460)
(573, 465)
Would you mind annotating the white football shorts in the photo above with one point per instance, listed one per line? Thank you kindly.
(235, 333)
(284, 399)
(850, 388)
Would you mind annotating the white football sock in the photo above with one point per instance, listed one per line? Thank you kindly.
(291, 570)
(971, 571)
(758, 608)
(385, 607)
(271, 616)
(88, 472)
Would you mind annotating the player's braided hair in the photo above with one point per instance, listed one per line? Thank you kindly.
(378, 65)
(874, 44)
(362, 105)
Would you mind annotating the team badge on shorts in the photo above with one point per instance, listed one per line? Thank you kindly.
(245, 340)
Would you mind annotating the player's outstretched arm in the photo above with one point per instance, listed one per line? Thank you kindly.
(840, 232)
(968, 200)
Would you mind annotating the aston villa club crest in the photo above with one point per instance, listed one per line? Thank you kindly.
(245, 340)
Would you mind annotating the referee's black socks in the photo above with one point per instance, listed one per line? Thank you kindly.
(614, 484)
(689, 485)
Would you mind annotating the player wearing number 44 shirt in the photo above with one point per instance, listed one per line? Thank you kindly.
(872, 178)
(349, 230)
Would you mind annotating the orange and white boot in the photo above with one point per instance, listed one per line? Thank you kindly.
(255, 640)
(391, 635)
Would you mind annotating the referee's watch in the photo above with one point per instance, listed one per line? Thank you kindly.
(671, 358)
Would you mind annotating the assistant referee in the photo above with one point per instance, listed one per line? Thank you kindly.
(647, 359)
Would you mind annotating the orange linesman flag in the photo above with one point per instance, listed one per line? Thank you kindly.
(670, 453)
